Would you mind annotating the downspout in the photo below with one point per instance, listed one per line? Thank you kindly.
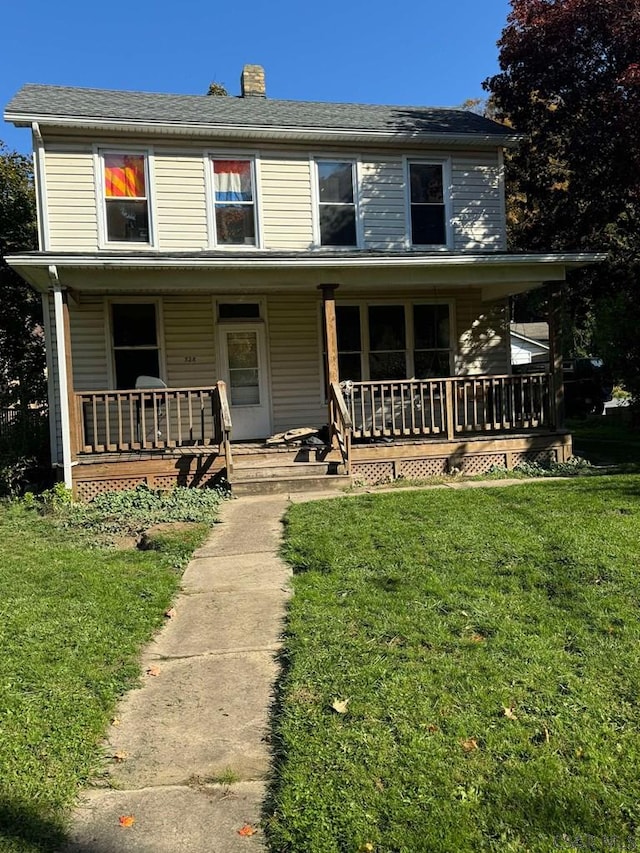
(43, 244)
(63, 379)
(41, 188)
(51, 388)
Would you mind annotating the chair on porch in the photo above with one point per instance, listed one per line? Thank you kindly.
(151, 423)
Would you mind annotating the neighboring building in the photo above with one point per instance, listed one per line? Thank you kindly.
(251, 254)
(529, 343)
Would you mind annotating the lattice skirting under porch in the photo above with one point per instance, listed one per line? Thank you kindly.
(91, 480)
(383, 471)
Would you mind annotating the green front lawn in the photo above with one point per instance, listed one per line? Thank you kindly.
(607, 440)
(73, 617)
(487, 643)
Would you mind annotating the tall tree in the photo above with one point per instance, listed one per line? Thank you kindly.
(22, 358)
(570, 80)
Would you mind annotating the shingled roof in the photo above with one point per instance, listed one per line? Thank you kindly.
(36, 102)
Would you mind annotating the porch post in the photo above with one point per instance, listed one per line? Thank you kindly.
(555, 357)
(331, 336)
(330, 331)
(66, 401)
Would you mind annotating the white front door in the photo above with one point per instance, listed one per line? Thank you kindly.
(243, 362)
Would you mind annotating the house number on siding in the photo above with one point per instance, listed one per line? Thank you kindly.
(190, 359)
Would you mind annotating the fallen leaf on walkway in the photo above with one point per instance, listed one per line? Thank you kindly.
(153, 670)
(469, 744)
(120, 756)
(247, 830)
(126, 820)
(170, 613)
(340, 705)
(115, 721)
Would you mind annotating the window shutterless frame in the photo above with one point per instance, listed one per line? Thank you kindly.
(124, 197)
(157, 346)
(428, 203)
(336, 204)
(232, 185)
(414, 350)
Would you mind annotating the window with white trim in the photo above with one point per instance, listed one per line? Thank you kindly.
(379, 342)
(337, 202)
(427, 204)
(126, 197)
(235, 209)
(136, 351)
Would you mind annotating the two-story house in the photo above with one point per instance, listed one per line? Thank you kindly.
(215, 270)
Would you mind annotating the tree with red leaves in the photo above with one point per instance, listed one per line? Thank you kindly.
(570, 80)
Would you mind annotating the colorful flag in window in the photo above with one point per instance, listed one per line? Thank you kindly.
(124, 176)
(232, 180)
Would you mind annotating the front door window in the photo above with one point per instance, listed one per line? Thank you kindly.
(244, 373)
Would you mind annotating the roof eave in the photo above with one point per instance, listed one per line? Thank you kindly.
(261, 132)
(571, 260)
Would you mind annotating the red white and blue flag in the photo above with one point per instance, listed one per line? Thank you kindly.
(232, 180)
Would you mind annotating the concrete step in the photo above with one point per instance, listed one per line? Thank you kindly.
(327, 483)
(273, 471)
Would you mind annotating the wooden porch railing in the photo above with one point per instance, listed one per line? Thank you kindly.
(117, 421)
(340, 424)
(449, 407)
(223, 422)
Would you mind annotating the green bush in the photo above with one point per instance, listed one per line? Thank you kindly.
(130, 512)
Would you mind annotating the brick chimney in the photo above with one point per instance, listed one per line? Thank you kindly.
(252, 82)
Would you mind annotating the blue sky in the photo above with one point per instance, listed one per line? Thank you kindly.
(433, 52)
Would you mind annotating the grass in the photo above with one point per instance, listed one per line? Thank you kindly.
(72, 620)
(606, 441)
(488, 644)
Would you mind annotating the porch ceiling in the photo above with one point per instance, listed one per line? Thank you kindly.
(497, 275)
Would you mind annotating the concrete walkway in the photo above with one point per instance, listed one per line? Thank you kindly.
(188, 756)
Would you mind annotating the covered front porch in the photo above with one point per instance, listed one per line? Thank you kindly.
(402, 362)
(377, 431)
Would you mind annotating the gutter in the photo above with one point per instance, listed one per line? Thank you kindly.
(150, 261)
(263, 132)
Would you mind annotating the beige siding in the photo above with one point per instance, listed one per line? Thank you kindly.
(483, 335)
(294, 343)
(89, 349)
(189, 345)
(180, 202)
(285, 197)
(383, 203)
(187, 342)
(71, 198)
(477, 210)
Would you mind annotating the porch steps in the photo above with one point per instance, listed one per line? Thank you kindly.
(268, 472)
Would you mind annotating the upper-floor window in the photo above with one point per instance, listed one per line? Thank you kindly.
(126, 197)
(427, 204)
(235, 213)
(337, 203)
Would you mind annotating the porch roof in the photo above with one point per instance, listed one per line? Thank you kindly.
(497, 274)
